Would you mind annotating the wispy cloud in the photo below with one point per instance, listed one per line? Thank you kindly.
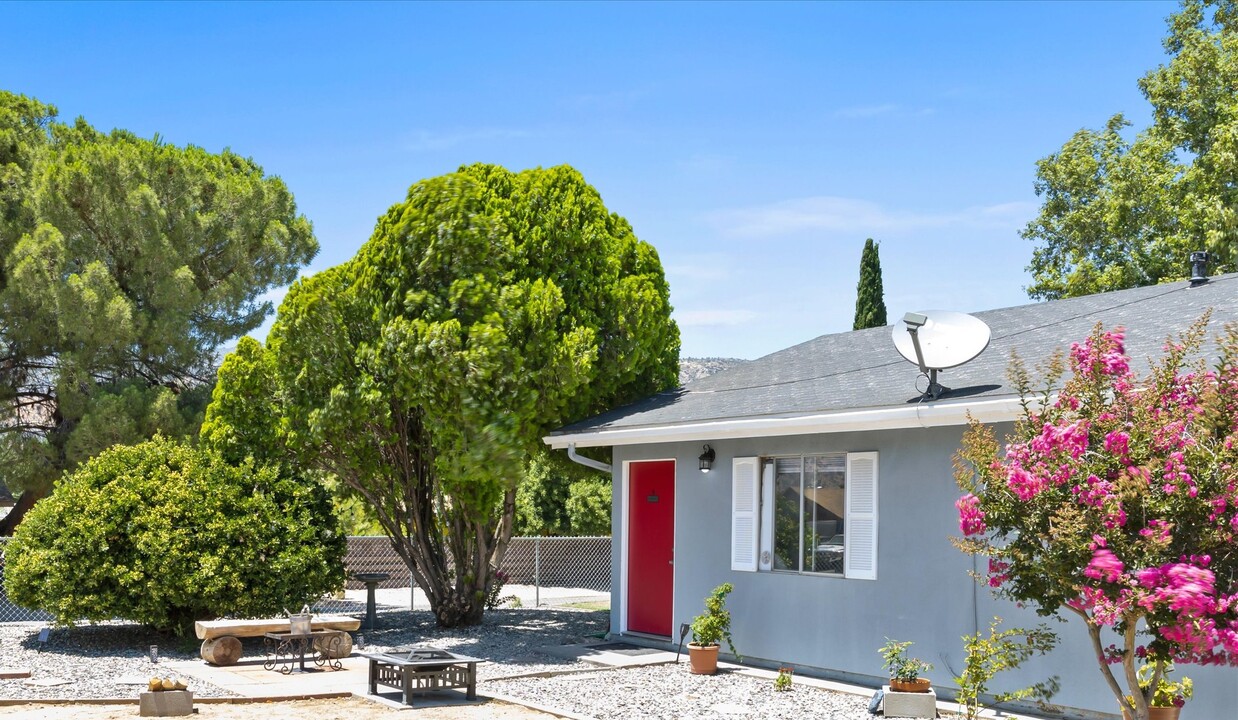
(431, 141)
(828, 213)
(700, 318)
(710, 267)
(856, 112)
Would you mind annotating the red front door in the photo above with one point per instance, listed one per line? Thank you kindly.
(651, 546)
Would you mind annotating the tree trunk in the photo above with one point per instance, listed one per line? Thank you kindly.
(222, 651)
(8, 525)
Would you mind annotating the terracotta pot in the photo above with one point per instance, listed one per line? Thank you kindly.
(702, 659)
(1157, 713)
(919, 685)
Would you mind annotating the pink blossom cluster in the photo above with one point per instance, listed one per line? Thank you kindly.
(1105, 566)
(971, 517)
(1106, 357)
(998, 572)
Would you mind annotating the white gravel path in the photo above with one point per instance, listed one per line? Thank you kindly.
(670, 691)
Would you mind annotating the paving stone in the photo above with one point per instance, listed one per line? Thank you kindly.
(46, 682)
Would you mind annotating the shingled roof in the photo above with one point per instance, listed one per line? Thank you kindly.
(856, 380)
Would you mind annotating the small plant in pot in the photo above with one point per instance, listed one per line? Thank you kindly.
(1165, 697)
(904, 671)
(709, 629)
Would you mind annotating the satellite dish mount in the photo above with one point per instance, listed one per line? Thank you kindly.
(914, 322)
(938, 339)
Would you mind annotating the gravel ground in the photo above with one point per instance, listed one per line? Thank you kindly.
(670, 691)
(95, 657)
(508, 638)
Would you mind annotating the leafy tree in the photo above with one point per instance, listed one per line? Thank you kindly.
(1114, 500)
(589, 506)
(541, 499)
(486, 309)
(243, 422)
(870, 304)
(561, 498)
(164, 534)
(1121, 213)
(124, 264)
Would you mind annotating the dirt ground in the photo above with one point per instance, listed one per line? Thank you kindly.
(351, 708)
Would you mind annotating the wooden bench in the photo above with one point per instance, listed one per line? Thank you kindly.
(221, 646)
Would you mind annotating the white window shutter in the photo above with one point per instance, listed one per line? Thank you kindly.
(745, 507)
(860, 561)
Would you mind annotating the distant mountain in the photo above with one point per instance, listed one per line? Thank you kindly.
(696, 368)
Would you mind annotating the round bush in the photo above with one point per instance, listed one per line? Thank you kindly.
(163, 534)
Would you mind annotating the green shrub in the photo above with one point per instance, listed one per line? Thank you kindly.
(163, 534)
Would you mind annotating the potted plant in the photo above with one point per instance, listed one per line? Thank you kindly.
(708, 630)
(1166, 699)
(904, 671)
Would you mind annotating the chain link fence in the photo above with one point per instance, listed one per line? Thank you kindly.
(540, 571)
(8, 611)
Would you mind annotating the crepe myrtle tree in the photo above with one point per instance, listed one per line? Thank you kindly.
(486, 309)
(1116, 499)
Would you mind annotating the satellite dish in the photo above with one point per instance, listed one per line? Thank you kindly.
(939, 339)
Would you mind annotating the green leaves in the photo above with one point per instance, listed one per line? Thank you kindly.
(870, 305)
(486, 309)
(164, 534)
(124, 264)
(1121, 213)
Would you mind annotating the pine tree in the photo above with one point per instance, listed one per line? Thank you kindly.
(870, 305)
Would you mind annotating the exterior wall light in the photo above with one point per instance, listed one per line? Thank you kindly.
(707, 459)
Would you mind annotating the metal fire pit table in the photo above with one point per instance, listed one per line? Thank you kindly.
(422, 670)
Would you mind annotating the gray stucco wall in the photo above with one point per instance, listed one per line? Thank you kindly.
(922, 592)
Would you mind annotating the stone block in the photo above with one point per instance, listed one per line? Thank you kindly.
(909, 705)
(165, 703)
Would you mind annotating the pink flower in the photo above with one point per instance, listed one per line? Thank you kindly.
(971, 517)
(1118, 443)
(1104, 566)
(998, 572)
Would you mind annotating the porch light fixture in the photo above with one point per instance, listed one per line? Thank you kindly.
(707, 459)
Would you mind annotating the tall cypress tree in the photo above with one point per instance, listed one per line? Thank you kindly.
(870, 304)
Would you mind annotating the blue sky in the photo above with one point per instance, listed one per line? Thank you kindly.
(755, 146)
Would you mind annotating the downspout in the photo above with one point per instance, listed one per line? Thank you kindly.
(587, 462)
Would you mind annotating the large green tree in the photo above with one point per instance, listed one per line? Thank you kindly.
(1121, 212)
(486, 309)
(870, 304)
(124, 263)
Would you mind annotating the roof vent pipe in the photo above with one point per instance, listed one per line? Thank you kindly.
(1199, 268)
(587, 462)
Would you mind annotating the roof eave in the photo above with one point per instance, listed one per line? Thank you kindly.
(919, 415)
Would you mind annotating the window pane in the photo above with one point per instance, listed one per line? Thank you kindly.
(786, 514)
(824, 496)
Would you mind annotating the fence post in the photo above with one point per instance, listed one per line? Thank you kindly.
(537, 571)
(412, 591)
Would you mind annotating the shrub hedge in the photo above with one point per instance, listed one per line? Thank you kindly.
(163, 534)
